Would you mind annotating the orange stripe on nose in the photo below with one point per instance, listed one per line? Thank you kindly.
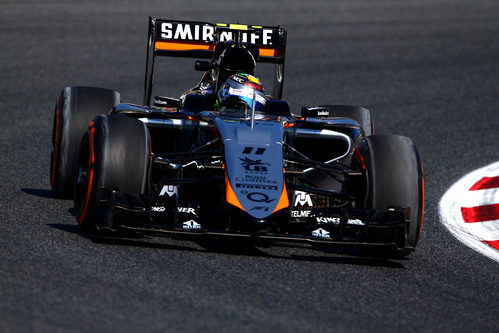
(283, 200)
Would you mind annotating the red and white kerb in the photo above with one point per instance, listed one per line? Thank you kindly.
(470, 210)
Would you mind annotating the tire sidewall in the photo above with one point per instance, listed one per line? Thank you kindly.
(395, 178)
(96, 147)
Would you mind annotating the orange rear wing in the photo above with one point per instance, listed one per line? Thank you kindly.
(198, 40)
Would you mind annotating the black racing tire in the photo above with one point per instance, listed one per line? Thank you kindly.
(357, 113)
(395, 179)
(75, 108)
(115, 154)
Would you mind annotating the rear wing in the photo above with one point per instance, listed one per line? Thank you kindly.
(198, 40)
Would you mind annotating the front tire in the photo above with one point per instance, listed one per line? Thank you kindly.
(75, 108)
(115, 154)
(395, 179)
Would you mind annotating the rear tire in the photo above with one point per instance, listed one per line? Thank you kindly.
(357, 113)
(395, 178)
(115, 154)
(75, 108)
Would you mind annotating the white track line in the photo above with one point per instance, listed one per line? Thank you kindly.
(480, 197)
(472, 234)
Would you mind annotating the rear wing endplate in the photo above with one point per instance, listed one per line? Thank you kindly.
(198, 40)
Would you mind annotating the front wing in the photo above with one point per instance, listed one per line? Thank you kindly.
(384, 228)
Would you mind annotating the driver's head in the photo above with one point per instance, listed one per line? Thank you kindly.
(240, 91)
(233, 59)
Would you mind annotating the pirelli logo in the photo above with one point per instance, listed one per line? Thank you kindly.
(205, 32)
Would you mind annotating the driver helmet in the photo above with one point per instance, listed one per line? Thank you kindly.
(239, 91)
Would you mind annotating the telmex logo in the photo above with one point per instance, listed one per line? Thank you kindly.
(204, 32)
(302, 199)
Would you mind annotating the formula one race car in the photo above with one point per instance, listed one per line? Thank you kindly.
(228, 158)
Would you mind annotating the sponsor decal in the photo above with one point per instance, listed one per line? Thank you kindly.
(194, 32)
(325, 219)
(303, 199)
(355, 222)
(255, 179)
(256, 150)
(257, 186)
(321, 233)
(336, 220)
(259, 197)
(158, 209)
(265, 38)
(206, 33)
(191, 224)
(315, 112)
(239, 78)
(234, 91)
(300, 213)
(187, 210)
(256, 166)
(254, 86)
(171, 190)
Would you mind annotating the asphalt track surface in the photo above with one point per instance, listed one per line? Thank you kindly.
(426, 69)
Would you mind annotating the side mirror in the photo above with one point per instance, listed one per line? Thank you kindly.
(203, 65)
